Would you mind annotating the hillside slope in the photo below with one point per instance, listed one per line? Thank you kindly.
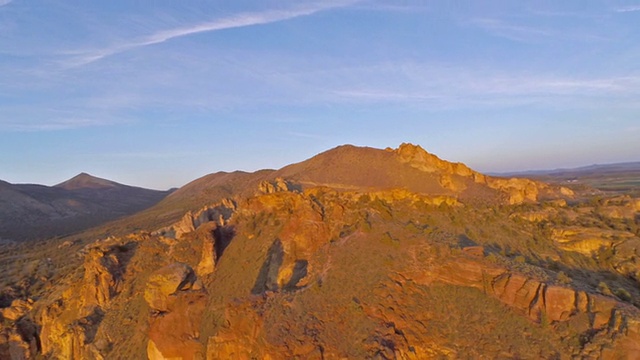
(620, 177)
(30, 211)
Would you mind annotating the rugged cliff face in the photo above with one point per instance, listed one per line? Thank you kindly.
(295, 271)
(516, 190)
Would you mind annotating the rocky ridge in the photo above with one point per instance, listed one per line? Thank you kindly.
(301, 271)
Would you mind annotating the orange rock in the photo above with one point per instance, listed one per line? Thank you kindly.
(582, 301)
(208, 256)
(602, 308)
(559, 302)
(17, 309)
(165, 282)
(527, 295)
(175, 334)
(102, 275)
(241, 338)
(514, 283)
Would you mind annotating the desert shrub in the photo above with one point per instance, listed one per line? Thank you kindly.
(605, 256)
(623, 294)
(520, 259)
(563, 278)
(364, 200)
(544, 320)
(603, 288)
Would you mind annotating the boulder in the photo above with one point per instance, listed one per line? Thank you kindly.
(184, 226)
(167, 281)
(208, 259)
(559, 302)
(174, 335)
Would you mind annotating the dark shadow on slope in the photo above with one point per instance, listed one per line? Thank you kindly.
(465, 241)
(268, 276)
(90, 324)
(222, 236)
(123, 253)
(299, 273)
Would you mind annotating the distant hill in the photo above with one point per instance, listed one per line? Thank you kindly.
(619, 177)
(29, 211)
(86, 181)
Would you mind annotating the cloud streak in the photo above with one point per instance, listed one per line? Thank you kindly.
(237, 21)
(510, 31)
(5, 2)
(448, 86)
(631, 8)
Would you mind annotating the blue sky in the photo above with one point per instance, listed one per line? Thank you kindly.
(158, 93)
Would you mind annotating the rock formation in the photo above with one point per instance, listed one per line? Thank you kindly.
(177, 303)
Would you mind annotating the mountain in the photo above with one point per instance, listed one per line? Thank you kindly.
(349, 168)
(355, 253)
(580, 171)
(86, 181)
(30, 211)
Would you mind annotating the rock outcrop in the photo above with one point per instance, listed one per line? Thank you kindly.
(19, 338)
(277, 185)
(17, 309)
(219, 213)
(177, 302)
(589, 240)
(419, 158)
(103, 275)
(166, 282)
(517, 190)
(64, 335)
(534, 298)
(70, 320)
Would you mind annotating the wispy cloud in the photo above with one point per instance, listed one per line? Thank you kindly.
(236, 21)
(60, 123)
(445, 86)
(303, 135)
(149, 155)
(631, 8)
(511, 31)
(392, 7)
(373, 94)
(5, 2)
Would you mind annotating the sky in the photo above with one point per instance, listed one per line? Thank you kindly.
(159, 93)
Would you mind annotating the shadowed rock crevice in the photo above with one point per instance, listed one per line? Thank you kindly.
(268, 276)
(28, 331)
(88, 325)
(104, 270)
(299, 273)
(222, 235)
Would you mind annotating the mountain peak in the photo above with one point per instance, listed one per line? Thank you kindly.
(409, 147)
(421, 159)
(86, 181)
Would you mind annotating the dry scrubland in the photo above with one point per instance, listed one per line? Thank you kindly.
(356, 253)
